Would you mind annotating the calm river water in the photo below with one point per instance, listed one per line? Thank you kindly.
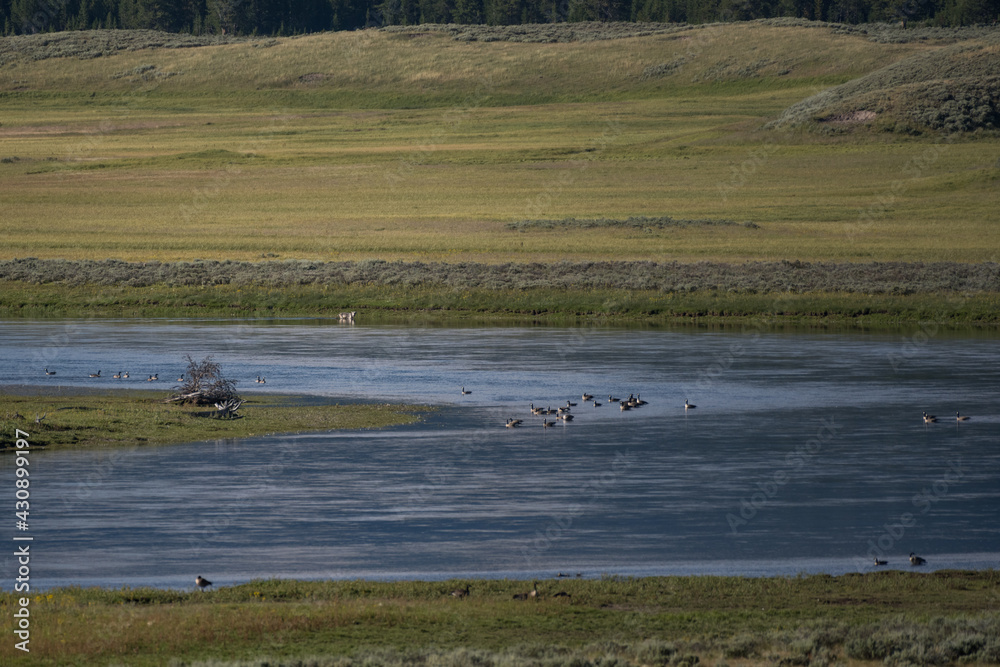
(806, 453)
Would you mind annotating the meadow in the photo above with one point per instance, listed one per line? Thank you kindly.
(422, 145)
(890, 618)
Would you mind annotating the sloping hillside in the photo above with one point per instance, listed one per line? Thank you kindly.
(954, 88)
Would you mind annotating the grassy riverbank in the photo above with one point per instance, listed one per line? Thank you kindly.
(889, 617)
(553, 305)
(136, 418)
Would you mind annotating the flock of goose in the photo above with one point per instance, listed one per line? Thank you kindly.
(931, 419)
(123, 375)
(533, 594)
(564, 413)
(914, 560)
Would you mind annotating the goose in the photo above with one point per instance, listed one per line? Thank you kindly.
(588, 397)
(566, 417)
(460, 592)
(465, 392)
(180, 379)
(561, 594)
(624, 407)
(563, 411)
(546, 424)
(536, 411)
(639, 401)
(597, 405)
(929, 419)
(916, 560)
(533, 593)
(201, 582)
(48, 372)
(612, 399)
(570, 405)
(124, 375)
(263, 380)
(153, 378)
(961, 418)
(96, 375)
(511, 423)
(880, 562)
(688, 406)
(117, 376)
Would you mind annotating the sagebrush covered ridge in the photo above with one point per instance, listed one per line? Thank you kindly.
(750, 277)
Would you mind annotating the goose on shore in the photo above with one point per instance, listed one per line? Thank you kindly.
(533, 593)
(460, 592)
(961, 417)
(201, 582)
(916, 560)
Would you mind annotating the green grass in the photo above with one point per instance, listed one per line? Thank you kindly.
(361, 145)
(939, 617)
(138, 418)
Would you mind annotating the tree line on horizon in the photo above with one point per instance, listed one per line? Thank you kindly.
(290, 17)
